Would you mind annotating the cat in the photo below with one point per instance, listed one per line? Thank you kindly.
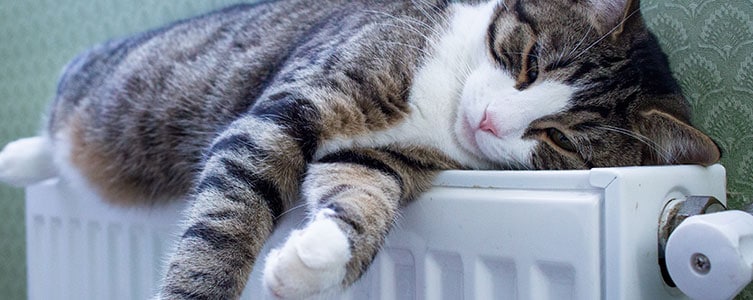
(352, 107)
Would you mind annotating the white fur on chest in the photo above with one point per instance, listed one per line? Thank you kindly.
(436, 90)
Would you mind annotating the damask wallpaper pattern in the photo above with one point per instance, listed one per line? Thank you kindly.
(710, 45)
(709, 42)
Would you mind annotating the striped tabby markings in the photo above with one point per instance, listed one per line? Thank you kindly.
(236, 201)
(354, 195)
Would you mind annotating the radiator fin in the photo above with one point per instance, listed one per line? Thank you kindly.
(553, 280)
(497, 278)
(444, 276)
(94, 259)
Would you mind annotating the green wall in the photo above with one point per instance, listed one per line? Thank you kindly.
(37, 38)
(710, 47)
(710, 44)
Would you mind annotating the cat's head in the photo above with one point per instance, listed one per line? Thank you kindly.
(568, 84)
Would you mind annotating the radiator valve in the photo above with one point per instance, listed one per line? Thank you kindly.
(705, 251)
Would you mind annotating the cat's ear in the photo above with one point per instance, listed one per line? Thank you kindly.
(673, 141)
(615, 17)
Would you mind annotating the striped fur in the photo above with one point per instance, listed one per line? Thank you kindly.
(351, 107)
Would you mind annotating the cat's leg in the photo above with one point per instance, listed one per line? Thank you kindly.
(253, 169)
(353, 197)
(27, 161)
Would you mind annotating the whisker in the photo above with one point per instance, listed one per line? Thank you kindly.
(408, 23)
(665, 155)
(504, 4)
(583, 39)
(431, 16)
(290, 210)
(521, 54)
(584, 146)
(605, 35)
(419, 49)
(411, 21)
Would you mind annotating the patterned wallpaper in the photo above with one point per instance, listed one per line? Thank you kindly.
(710, 44)
(37, 38)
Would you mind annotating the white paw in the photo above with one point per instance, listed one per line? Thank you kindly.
(26, 161)
(313, 260)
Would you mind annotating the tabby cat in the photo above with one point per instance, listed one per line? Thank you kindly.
(353, 107)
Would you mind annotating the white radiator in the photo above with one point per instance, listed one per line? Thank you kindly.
(476, 235)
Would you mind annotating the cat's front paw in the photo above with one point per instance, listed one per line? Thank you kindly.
(312, 260)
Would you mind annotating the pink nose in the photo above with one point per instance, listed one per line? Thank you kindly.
(487, 125)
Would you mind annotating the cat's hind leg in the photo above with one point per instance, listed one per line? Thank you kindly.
(27, 161)
(354, 197)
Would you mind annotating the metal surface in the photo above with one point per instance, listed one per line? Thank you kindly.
(676, 211)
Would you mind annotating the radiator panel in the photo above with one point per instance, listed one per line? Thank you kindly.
(475, 235)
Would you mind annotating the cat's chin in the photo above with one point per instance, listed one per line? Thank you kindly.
(467, 138)
(513, 152)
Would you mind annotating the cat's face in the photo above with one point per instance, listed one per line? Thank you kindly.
(569, 85)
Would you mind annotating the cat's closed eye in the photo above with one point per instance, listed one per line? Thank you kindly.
(529, 71)
(559, 139)
(533, 68)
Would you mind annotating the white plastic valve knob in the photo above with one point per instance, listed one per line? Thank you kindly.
(711, 256)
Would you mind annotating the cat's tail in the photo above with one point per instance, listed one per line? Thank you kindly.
(27, 161)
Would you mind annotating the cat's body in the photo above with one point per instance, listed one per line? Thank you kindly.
(352, 106)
